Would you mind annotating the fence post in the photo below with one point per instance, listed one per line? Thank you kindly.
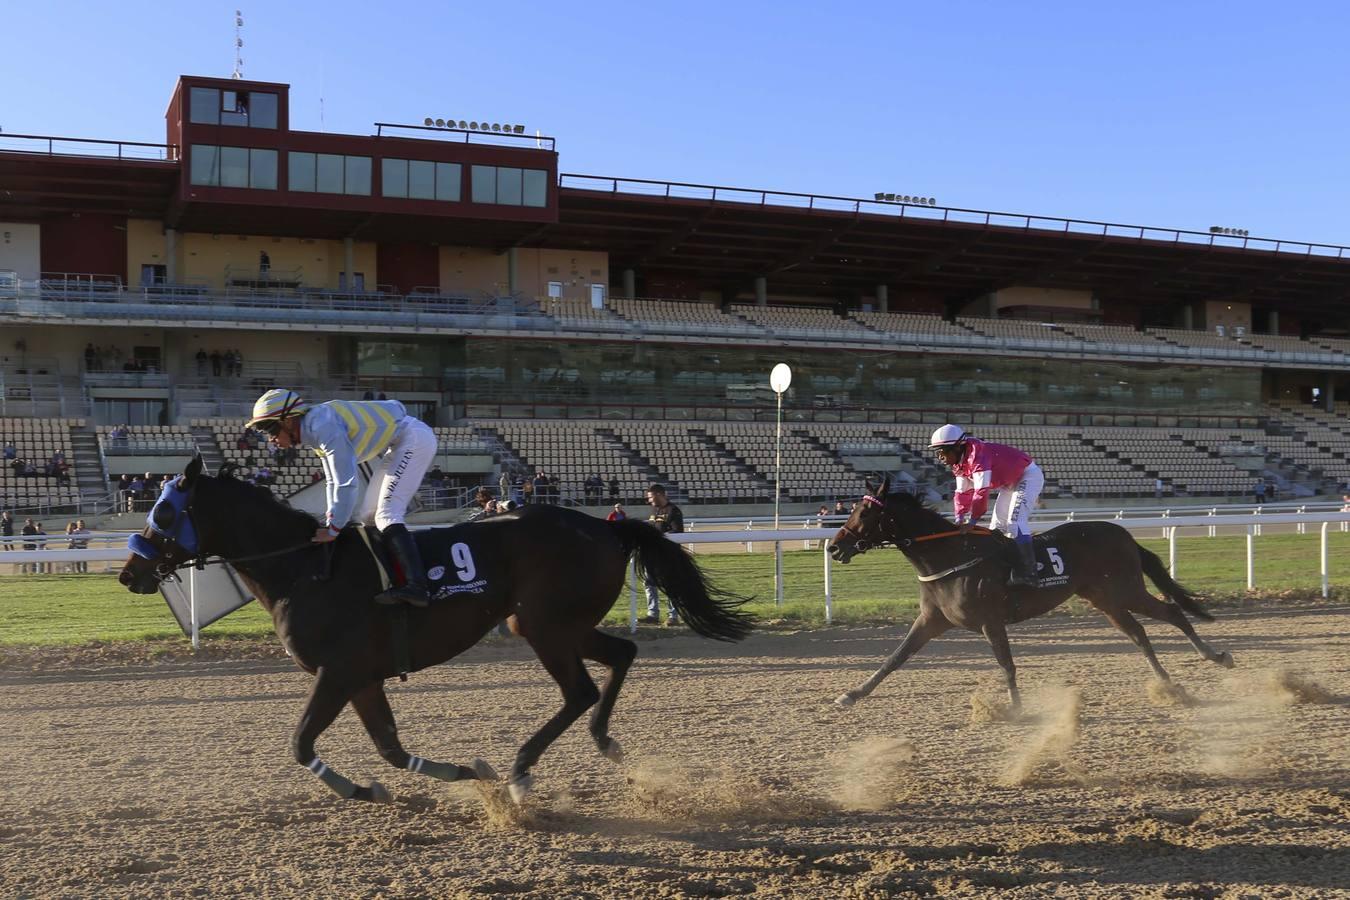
(1172, 551)
(1212, 530)
(1251, 576)
(632, 597)
(778, 573)
(829, 597)
(1302, 527)
(750, 545)
(1166, 513)
(192, 606)
(1325, 579)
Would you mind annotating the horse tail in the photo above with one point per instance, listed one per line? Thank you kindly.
(1157, 572)
(708, 610)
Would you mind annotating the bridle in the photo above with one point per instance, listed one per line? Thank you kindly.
(861, 544)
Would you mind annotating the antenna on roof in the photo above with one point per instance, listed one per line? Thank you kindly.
(238, 44)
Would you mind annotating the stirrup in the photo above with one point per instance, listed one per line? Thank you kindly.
(404, 593)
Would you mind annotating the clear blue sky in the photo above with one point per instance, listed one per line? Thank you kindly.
(1180, 114)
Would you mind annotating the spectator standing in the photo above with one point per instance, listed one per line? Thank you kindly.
(527, 491)
(1259, 491)
(215, 363)
(504, 485)
(10, 451)
(264, 264)
(667, 517)
(613, 489)
(201, 362)
(1158, 488)
(7, 528)
(839, 508)
(81, 542)
(29, 530)
(616, 514)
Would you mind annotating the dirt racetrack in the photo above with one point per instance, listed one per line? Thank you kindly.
(175, 778)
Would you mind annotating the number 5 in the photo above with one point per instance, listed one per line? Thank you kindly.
(1055, 562)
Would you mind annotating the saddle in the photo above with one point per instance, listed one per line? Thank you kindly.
(448, 554)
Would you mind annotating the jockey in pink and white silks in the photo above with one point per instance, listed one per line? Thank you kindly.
(982, 466)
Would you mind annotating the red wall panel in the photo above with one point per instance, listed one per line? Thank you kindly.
(408, 266)
(87, 243)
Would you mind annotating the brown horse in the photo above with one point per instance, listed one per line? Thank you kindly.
(962, 579)
(555, 572)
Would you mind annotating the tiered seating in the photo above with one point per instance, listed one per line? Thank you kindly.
(569, 452)
(807, 471)
(578, 313)
(681, 312)
(1329, 434)
(691, 462)
(912, 325)
(1019, 329)
(1204, 340)
(1336, 345)
(1280, 343)
(1108, 334)
(148, 440)
(1161, 450)
(289, 478)
(34, 441)
(798, 318)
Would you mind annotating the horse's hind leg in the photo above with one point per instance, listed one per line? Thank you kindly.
(1148, 605)
(996, 633)
(579, 694)
(372, 706)
(326, 699)
(617, 654)
(927, 626)
(1127, 623)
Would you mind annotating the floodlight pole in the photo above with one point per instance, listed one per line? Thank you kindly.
(779, 379)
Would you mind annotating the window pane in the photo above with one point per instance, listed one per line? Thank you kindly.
(484, 183)
(205, 164)
(508, 186)
(262, 110)
(234, 167)
(358, 175)
(301, 171)
(262, 169)
(448, 176)
(536, 187)
(422, 180)
(205, 103)
(394, 177)
(328, 169)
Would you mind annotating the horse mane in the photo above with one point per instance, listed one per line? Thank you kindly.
(271, 506)
(926, 515)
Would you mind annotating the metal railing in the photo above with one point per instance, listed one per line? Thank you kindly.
(47, 145)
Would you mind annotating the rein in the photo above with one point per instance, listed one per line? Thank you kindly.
(945, 534)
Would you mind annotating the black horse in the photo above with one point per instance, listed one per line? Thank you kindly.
(555, 572)
(962, 579)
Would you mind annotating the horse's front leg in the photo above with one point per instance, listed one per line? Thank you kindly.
(930, 623)
(997, 634)
(372, 706)
(326, 699)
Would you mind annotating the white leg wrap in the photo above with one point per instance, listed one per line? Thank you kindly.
(318, 766)
(415, 764)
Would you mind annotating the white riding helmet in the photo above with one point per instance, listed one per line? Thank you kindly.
(946, 436)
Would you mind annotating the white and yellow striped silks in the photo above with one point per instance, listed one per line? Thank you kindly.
(370, 424)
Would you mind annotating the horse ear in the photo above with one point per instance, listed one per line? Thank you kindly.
(885, 485)
(867, 483)
(193, 469)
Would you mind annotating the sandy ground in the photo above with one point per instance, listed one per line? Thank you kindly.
(175, 779)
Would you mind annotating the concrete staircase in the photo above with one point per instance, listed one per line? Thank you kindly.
(91, 476)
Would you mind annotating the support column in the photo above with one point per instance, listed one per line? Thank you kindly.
(1329, 392)
(629, 284)
(761, 291)
(883, 298)
(1273, 322)
(1187, 317)
(511, 279)
(170, 256)
(348, 256)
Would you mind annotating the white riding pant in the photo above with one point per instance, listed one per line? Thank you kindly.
(397, 473)
(1015, 503)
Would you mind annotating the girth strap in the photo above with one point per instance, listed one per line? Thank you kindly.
(968, 564)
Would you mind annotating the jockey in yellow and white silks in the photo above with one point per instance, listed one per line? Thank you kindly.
(344, 434)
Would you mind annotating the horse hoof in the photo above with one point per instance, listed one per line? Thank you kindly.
(519, 788)
(845, 700)
(613, 751)
(483, 771)
(1225, 659)
(378, 793)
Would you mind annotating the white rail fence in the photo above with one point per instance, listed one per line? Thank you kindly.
(57, 549)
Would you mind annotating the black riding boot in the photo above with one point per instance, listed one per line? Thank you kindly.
(1023, 573)
(402, 549)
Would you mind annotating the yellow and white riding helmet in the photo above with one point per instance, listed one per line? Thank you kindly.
(275, 405)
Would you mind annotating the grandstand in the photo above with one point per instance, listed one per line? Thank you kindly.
(586, 326)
